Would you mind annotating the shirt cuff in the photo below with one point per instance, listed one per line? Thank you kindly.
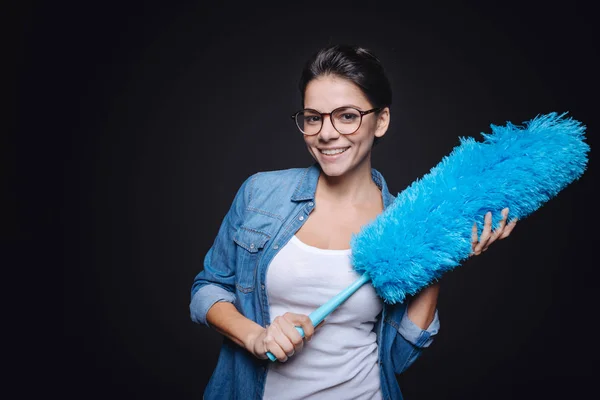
(205, 298)
(416, 335)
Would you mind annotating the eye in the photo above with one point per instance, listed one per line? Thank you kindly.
(348, 117)
(312, 119)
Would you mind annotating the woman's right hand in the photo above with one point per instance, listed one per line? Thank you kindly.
(281, 338)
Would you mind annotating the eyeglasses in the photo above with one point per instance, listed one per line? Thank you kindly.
(345, 120)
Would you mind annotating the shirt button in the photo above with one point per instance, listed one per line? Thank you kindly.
(275, 247)
(311, 204)
(301, 218)
(252, 246)
(262, 287)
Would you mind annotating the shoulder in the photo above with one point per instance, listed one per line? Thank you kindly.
(276, 180)
(388, 198)
(286, 174)
(270, 193)
(272, 186)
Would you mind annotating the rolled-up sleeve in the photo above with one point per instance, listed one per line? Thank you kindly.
(205, 298)
(415, 335)
(410, 339)
(216, 281)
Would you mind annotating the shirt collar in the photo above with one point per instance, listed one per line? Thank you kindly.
(307, 185)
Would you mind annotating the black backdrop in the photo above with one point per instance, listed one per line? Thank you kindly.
(137, 122)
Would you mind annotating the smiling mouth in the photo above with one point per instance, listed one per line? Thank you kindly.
(333, 152)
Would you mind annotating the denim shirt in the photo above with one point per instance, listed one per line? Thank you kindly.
(268, 209)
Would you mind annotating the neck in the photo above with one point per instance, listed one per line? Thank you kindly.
(355, 186)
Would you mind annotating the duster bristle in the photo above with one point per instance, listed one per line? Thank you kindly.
(426, 231)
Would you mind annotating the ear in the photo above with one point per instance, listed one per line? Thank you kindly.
(383, 122)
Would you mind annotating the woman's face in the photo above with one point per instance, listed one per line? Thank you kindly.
(338, 154)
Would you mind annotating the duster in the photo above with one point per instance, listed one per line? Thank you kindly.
(426, 231)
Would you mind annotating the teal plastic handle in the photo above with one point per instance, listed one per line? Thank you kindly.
(317, 316)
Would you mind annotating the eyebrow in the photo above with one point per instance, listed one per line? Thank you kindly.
(345, 105)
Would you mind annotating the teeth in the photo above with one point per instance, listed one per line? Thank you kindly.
(333, 151)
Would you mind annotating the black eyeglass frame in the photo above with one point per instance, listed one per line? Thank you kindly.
(362, 113)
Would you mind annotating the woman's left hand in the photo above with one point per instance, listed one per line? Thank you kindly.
(481, 244)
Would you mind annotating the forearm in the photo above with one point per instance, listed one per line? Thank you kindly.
(227, 320)
(421, 308)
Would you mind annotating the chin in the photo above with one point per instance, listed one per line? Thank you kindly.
(333, 170)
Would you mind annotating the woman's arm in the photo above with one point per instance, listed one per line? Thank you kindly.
(213, 296)
(421, 308)
(227, 320)
(216, 281)
(280, 338)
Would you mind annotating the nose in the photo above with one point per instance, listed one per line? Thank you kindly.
(328, 132)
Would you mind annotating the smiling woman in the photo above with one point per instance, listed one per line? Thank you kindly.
(283, 249)
(342, 143)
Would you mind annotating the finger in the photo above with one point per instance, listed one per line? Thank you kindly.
(260, 349)
(280, 333)
(485, 234)
(304, 322)
(508, 229)
(271, 345)
(288, 327)
(474, 237)
(496, 234)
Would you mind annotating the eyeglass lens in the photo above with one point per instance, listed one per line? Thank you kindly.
(345, 121)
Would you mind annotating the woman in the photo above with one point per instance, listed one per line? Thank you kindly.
(283, 250)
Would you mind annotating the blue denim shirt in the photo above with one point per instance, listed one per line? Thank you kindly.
(268, 209)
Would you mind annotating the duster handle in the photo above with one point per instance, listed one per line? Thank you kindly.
(318, 315)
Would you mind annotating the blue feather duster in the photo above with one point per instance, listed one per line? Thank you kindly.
(426, 231)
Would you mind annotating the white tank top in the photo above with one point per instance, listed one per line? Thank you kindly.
(340, 362)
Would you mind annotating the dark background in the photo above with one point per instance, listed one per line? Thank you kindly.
(136, 122)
